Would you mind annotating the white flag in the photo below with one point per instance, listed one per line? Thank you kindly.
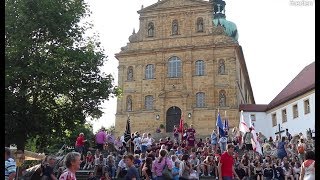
(255, 143)
(243, 125)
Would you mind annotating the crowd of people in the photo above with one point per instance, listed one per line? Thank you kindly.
(184, 156)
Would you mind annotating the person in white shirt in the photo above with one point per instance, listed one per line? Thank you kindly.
(137, 141)
(150, 140)
(144, 143)
(122, 167)
(174, 159)
(99, 164)
(123, 141)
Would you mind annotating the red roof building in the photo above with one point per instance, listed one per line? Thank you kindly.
(293, 108)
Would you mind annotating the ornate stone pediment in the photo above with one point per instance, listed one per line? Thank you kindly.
(224, 40)
(173, 94)
(164, 4)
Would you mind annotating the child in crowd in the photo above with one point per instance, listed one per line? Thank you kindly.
(175, 170)
(89, 161)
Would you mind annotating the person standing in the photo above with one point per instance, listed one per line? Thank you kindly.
(226, 164)
(150, 141)
(72, 162)
(176, 133)
(101, 138)
(214, 139)
(80, 143)
(132, 172)
(289, 136)
(191, 130)
(282, 148)
(248, 136)
(144, 143)
(10, 165)
(223, 143)
(137, 141)
(301, 150)
(307, 168)
(191, 141)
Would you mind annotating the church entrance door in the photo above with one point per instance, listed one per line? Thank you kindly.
(173, 118)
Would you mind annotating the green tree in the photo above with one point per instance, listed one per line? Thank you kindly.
(52, 71)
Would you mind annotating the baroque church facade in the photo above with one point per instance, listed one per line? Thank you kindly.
(185, 60)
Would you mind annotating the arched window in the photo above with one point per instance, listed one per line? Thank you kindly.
(222, 68)
(222, 98)
(199, 68)
(200, 25)
(174, 67)
(148, 102)
(130, 73)
(200, 99)
(149, 71)
(129, 103)
(175, 27)
(150, 29)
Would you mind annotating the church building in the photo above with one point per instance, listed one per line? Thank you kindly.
(293, 108)
(183, 62)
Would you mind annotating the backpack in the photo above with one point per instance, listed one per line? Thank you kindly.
(300, 149)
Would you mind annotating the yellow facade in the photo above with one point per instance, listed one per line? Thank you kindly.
(189, 44)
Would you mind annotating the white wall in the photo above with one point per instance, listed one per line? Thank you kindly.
(299, 124)
(261, 124)
(295, 126)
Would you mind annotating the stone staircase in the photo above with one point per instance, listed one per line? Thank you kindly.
(163, 135)
(84, 174)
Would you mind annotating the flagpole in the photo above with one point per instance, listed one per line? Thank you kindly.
(218, 132)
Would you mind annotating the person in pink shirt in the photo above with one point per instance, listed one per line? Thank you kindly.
(72, 162)
(101, 138)
(159, 164)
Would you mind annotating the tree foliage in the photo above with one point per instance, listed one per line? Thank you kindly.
(52, 71)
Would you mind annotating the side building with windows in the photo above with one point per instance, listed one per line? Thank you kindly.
(183, 62)
(293, 108)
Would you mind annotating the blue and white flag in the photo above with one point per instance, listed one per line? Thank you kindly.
(219, 124)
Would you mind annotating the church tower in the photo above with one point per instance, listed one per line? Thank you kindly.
(184, 60)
